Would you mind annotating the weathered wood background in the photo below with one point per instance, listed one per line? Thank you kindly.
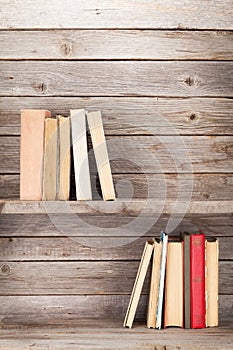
(161, 72)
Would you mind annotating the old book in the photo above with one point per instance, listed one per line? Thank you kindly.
(80, 154)
(31, 153)
(186, 238)
(154, 285)
(138, 284)
(197, 280)
(173, 305)
(50, 160)
(211, 286)
(164, 239)
(64, 162)
(101, 155)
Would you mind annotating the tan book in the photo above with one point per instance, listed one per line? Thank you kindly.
(31, 153)
(154, 286)
(101, 155)
(138, 284)
(64, 161)
(173, 307)
(50, 160)
(211, 282)
(80, 153)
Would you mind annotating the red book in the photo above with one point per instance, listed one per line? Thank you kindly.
(197, 280)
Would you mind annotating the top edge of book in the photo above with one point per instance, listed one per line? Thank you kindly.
(34, 110)
(77, 110)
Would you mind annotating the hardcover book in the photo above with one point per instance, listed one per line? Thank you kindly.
(50, 160)
(64, 162)
(138, 284)
(101, 155)
(197, 280)
(80, 154)
(173, 305)
(31, 153)
(211, 286)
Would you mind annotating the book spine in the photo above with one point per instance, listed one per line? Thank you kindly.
(31, 153)
(212, 252)
(186, 246)
(50, 160)
(101, 155)
(154, 287)
(64, 157)
(80, 153)
(197, 280)
(164, 239)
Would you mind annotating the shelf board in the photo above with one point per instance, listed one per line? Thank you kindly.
(120, 207)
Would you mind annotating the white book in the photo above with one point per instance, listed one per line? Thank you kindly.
(138, 284)
(80, 154)
(101, 155)
(164, 239)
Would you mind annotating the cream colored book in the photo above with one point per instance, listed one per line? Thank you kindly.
(50, 160)
(164, 239)
(211, 282)
(64, 158)
(101, 155)
(173, 303)
(138, 284)
(31, 153)
(80, 153)
(154, 286)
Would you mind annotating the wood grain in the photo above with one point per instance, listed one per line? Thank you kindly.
(57, 225)
(49, 310)
(82, 278)
(116, 44)
(211, 187)
(132, 116)
(115, 14)
(148, 154)
(109, 78)
(109, 335)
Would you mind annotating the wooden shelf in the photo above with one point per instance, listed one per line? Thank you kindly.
(109, 334)
(127, 207)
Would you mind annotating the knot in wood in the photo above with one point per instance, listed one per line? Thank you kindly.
(189, 81)
(66, 48)
(40, 86)
(5, 269)
(192, 116)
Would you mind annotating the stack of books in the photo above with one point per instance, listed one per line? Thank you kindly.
(45, 155)
(184, 282)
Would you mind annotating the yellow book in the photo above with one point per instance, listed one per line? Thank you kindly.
(211, 282)
(64, 158)
(154, 286)
(50, 160)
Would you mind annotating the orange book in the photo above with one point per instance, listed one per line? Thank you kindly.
(31, 153)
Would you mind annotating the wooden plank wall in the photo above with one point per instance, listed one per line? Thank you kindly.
(161, 72)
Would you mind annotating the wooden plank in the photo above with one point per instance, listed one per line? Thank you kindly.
(109, 335)
(116, 78)
(116, 44)
(115, 14)
(81, 278)
(211, 187)
(147, 208)
(71, 248)
(131, 115)
(42, 225)
(58, 225)
(149, 154)
(50, 310)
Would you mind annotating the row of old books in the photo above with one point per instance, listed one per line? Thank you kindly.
(184, 282)
(45, 155)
